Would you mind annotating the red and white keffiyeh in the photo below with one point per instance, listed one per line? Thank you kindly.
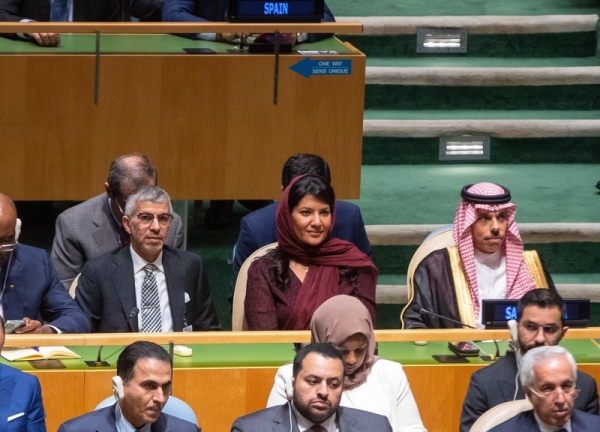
(518, 279)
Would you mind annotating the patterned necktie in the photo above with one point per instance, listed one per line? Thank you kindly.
(151, 321)
(60, 10)
(316, 428)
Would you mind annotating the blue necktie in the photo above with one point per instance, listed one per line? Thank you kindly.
(60, 10)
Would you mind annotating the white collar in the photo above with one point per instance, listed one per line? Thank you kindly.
(139, 263)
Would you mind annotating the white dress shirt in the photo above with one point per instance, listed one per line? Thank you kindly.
(491, 277)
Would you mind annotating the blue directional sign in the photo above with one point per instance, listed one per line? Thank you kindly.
(307, 67)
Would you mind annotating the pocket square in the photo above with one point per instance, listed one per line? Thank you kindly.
(15, 416)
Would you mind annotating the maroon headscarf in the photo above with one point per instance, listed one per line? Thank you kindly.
(322, 279)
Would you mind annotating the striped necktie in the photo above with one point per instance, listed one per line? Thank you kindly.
(60, 10)
(151, 321)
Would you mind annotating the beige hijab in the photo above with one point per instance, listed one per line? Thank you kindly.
(335, 321)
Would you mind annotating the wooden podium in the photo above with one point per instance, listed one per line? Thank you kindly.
(216, 126)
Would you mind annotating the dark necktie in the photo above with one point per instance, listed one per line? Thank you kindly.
(316, 428)
(60, 11)
(151, 321)
(561, 430)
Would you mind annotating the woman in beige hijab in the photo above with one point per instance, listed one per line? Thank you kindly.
(371, 383)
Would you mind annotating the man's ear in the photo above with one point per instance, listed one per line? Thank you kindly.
(126, 221)
(108, 190)
(527, 392)
(282, 188)
(563, 333)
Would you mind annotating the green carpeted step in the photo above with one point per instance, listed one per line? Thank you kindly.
(446, 98)
(444, 7)
(579, 44)
(429, 194)
(424, 151)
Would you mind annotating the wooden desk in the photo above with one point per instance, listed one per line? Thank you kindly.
(231, 373)
(209, 122)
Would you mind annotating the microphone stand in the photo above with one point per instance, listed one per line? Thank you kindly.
(102, 363)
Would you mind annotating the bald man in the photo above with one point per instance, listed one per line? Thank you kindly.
(29, 288)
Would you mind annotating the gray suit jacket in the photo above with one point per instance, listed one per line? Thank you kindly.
(88, 230)
(495, 384)
(103, 420)
(106, 291)
(525, 422)
(277, 419)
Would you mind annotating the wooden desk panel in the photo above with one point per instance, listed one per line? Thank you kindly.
(207, 122)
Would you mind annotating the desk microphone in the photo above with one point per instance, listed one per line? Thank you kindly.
(99, 362)
(425, 311)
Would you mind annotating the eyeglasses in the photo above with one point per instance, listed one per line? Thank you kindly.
(8, 247)
(551, 331)
(164, 220)
(568, 389)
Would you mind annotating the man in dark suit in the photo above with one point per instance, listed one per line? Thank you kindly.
(95, 226)
(548, 375)
(29, 287)
(168, 286)
(142, 387)
(21, 407)
(317, 385)
(539, 322)
(257, 229)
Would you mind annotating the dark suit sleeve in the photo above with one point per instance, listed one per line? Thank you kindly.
(475, 403)
(58, 308)
(180, 11)
(360, 237)
(588, 395)
(147, 10)
(239, 426)
(9, 10)
(245, 246)
(66, 256)
(35, 414)
(200, 311)
(88, 295)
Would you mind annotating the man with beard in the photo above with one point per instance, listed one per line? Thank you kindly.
(318, 376)
(540, 315)
(488, 262)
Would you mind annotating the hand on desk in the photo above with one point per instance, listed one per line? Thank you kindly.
(34, 326)
(45, 39)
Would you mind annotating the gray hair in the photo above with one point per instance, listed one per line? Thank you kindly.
(152, 194)
(540, 354)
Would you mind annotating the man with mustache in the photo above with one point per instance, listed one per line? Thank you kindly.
(549, 375)
(142, 387)
(488, 262)
(540, 322)
(167, 286)
(314, 406)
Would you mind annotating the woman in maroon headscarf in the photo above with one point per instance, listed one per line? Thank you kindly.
(288, 284)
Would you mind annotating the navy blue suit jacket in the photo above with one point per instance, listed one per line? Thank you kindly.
(257, 229)
(21, 401)
(33, 290)
(211, 10)
(104, 420)
(525, 422)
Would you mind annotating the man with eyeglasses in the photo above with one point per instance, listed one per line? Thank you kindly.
(95, 226)
(539, 323)
(549, 375)
(147, 286)
(29, 288)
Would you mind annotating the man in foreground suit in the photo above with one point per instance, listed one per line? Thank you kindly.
(142, 387)
(169, 286)
(539, 322)
(21, 407)
(318, 376)
(257, 229)
(548, 375)
(95, 226)
(29, 288)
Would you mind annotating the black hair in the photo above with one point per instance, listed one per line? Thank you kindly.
(304, 163)
(544, 298)
(323, 349)
(137, 171)
(137, 351)
(314, 186)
